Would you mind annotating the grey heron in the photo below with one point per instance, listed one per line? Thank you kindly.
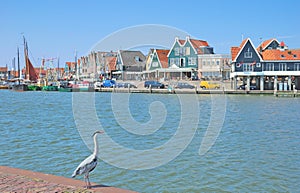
(89, 164)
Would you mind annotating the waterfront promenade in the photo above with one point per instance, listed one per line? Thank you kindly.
(18, 180)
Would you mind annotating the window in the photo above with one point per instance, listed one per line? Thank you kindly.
(192, 60)
(177, 61)
(282, 56)
(247, 67)
(155, 64)
(182, 51)
(282, 66)
(269, 67)
(172, 61)
(176, 51)
(296, 66)
(258, 65)
(218, 62)
(295, 56)
(187, 51)
(203, 63)
(248, 54)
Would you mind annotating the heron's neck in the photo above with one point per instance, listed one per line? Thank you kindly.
(95, 145)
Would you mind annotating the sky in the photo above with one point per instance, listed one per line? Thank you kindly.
(61, 28)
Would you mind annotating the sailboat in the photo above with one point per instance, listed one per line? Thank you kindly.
(19, 84)
(30, 74)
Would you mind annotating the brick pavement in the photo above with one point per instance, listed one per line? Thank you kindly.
(17, 180)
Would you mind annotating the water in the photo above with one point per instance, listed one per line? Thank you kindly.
(257, 150)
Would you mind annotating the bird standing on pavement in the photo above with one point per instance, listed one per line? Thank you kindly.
(89, 164)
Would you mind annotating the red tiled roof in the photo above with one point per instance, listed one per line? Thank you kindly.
(199, 43)
(181, 41)
(3, 69)
(264, 44)
(281, 55)
(163, 57)
(236, 50)
(111, 62)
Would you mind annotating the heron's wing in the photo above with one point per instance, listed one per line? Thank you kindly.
(86, 166)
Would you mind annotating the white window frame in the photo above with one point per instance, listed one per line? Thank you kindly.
(248, 54)
(282, 66)
(176, 51)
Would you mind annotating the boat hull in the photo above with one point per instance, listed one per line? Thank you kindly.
(20, 87)
(50, 88)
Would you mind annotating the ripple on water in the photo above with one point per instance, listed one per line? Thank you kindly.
(257, 150)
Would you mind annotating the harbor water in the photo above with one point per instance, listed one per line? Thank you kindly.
(257, 148)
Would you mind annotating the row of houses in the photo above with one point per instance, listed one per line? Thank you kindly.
(188, 59)
(269, 66)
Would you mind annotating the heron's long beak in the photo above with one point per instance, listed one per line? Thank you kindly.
(100, 132)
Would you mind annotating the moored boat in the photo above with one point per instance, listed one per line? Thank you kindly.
(50, 88)
(34, 88)
(82, 86)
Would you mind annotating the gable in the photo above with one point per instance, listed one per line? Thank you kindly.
(154, 62)
(248, 54)
(176, 45)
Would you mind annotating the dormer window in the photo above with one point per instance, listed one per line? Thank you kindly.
(282, 56)
(295, 56)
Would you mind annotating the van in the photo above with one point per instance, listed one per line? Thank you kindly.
(209, 85)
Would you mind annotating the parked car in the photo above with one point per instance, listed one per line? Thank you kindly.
(243, 87)
(125, 85)
(184, 85)
(209, 85)
(97, 84)
(153, 84)
(108, 83)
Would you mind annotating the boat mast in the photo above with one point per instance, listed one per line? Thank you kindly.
(19, 74)
(26, 59)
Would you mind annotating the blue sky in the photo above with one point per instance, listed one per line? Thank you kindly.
(58, 27)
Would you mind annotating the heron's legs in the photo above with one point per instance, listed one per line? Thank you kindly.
(88, 181)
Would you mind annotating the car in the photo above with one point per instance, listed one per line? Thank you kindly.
(209, 85)
(243, 87)
(108, 83)
(125, 85)
(195, 77)
(184, 85)
(153, 84)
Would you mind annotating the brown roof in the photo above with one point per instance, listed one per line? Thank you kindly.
(281, 55)
(111, 61)
(163, 57)
(181, 41)
(264, 44)
(236, 50)
(3, 69)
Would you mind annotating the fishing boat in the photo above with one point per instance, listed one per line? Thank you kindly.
(3, 85)
(65, 86)
(82, 86)
(30, 74)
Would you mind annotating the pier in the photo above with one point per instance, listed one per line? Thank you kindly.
(286, 94)
(18, 180)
